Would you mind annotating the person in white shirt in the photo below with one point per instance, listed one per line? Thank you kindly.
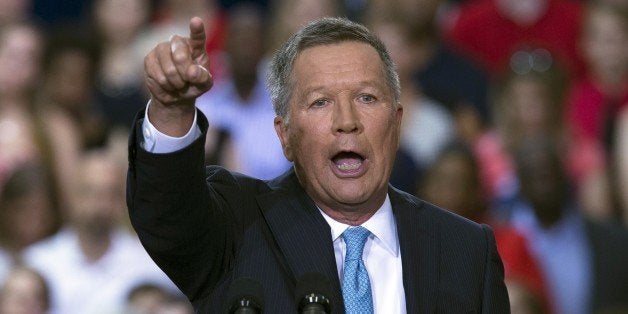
(93, 262)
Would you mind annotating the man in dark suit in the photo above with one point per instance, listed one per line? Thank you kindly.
(336, 95)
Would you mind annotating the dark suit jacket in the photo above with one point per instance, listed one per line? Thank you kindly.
(609, 257)
(205, 227)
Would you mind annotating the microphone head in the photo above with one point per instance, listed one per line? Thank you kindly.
(245, 292)
(313, 288)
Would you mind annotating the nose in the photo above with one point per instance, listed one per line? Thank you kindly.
(346, 117)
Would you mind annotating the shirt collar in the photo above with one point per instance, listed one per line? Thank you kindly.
(382, 225)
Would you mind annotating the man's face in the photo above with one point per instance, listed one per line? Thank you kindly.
(342, 131)
(98, 207)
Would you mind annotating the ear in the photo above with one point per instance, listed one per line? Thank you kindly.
(283, 132)
(399, 115)
(398, 119)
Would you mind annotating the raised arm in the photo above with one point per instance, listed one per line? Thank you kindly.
(178, 220)
(176, 74)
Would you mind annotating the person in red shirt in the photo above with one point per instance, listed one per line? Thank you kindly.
(594, 104)
(491, 31)
(604, 90)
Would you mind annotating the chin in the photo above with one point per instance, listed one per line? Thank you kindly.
(352, 196)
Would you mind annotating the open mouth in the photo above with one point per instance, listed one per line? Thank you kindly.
(348, 162)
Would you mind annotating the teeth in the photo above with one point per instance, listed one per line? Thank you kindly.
(349, 166)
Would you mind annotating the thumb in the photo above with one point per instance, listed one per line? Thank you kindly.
(200, 77)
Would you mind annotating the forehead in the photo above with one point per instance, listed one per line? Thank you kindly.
(338, 63)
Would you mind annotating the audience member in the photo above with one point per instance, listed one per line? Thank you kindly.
(65, 110)
(51, 13)
(453, 182)
(24, 292)
(154, 299)
(14, 11)
(146, 299)
(287, 16)
(524, 104)
(69, 62)
(93, 262)
(26, 137)
(20, 54)
(121, 30)
(583, 261)
(442, 73)
(118, 26)
(594, 104)
(28, 213)
(492, 31)
(241, 104)
(596, 98)
(427, 125)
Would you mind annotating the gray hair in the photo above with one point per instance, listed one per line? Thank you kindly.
(325, 31)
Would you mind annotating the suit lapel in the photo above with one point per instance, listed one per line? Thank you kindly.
(418, 241)
(302, 234)
(303, 237)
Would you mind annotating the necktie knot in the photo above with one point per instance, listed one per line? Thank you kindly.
(355, 238)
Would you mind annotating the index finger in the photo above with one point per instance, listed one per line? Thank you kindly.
(197, 36)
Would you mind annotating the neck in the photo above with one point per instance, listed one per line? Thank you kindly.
(15, 247)
(94, 245)
(353, 214)
(244, 86)
(549, 217)
(349, 218)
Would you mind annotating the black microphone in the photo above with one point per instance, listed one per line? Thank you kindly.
(245, 296)
(312, 294)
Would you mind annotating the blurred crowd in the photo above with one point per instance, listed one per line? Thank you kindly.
(515, 115)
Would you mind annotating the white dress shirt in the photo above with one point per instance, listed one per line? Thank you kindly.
(381, 255)
(160, 143)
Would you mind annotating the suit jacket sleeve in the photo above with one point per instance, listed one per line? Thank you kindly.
(495, 295)
(179, 219)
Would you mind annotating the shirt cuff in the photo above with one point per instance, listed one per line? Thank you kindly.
(160, 143)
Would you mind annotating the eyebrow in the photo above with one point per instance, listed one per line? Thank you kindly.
(361, 84)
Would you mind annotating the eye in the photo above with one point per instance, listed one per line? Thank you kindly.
(319, 103)
(367, 99)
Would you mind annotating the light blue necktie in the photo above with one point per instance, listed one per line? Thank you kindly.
(356, 287)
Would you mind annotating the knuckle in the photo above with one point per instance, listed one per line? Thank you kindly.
(150, 60)
(162, 80)
(170, 71)
(163, 46)
(175, 37)
(180, 56)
